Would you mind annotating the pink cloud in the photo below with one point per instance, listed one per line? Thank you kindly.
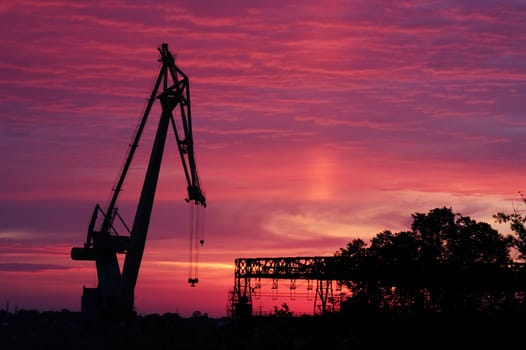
(310, 122)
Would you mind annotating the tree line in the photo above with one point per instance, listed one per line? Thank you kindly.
(446, 263)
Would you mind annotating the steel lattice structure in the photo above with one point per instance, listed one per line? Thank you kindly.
(114, 295)
(324, 270)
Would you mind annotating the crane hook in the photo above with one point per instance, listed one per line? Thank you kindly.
(193, 281)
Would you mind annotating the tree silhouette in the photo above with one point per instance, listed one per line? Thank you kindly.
(283, 311)
(517, 224)
(433, 231)
(447, 262)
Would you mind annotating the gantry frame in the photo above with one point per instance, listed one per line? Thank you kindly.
(325, 270)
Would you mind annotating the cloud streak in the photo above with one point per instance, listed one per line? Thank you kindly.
(21, 267)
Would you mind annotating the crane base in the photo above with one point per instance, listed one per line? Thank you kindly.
(91, 303)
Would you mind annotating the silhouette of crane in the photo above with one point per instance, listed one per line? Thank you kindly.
(114, 295)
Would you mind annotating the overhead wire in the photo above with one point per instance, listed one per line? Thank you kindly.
(195, 242)
(129, 149)
(191, 277)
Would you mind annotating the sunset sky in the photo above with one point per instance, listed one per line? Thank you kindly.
(314, 123)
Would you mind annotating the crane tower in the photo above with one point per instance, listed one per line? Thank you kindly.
(114, 295)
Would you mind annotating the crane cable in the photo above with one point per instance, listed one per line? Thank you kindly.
(196, 241)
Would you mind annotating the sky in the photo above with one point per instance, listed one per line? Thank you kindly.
(315, 123)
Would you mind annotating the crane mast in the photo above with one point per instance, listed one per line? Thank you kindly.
(114, 295)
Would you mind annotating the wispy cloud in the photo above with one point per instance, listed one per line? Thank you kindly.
(28, 267)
